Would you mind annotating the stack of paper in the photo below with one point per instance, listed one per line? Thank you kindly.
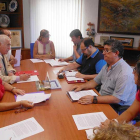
(36, 60)
(70, 74)
(20, 130)
(75, 96)
(35, 97)
(53, 62)
(31, 79)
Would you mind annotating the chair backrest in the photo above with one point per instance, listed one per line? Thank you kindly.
(31, 49)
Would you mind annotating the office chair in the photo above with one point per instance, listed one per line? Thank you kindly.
(31, 49)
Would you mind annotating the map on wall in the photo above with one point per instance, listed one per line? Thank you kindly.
(119, 16)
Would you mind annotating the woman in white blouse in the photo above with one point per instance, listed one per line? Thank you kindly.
(43, 47)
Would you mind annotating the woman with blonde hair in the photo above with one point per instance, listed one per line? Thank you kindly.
(43, 47)
(116, 131)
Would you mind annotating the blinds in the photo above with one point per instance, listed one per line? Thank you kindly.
(59, 17)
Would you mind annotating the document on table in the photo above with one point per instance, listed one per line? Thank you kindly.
(53, 62)
(74, 79)
(89, 120)
(70, 74)
(35, 97)
(20, 130)
(90, 134)
(17, 56)
(31, 79)
(36, 60)
(75, 96)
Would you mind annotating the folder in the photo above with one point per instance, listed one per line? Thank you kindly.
(74, 81)
(35, 72)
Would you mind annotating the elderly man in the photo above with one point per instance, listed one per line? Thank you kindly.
(10, 57)
(7, 72)
(76, 38)
(89, 63)
(116, 79)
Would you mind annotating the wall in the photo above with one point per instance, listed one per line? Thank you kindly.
(26, 22)
(90, 14)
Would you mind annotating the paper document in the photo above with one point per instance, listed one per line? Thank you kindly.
(89, 120)
(17, 56)
(75, 96)
(53, 62)
(36, 60)
(74, 79)
(31, 79)
(90, 134)
(34, 97)
(20, 130)
(70, 74)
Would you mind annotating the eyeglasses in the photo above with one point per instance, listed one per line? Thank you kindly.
(107, 51)
(84, 49)
(134, 69)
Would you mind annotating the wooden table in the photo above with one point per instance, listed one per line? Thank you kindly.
(54, 115)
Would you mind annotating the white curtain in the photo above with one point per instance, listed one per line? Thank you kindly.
(59, 17)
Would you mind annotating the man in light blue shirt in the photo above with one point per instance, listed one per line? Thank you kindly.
(116, 79)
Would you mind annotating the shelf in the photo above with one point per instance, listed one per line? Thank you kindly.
(10, 13)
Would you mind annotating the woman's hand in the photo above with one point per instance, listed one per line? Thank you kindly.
(26, 104)
(105, 123)
(18, 91)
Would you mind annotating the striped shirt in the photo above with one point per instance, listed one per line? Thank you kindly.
(118, 82)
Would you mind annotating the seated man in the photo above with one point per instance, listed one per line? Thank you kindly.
(90, 62)
(118, 87)
(76, 38)
(10, 57)
(7, 72)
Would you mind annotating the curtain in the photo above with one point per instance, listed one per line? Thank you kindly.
(59, 17)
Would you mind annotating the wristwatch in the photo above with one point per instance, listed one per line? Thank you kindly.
(13, 89)
(95, 101)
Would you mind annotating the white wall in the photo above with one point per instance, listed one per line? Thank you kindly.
(26, 23)
(90, 14)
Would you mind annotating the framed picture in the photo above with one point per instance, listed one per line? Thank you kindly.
(119, 17)
(16, 39)
(3, 6)
(126, 41)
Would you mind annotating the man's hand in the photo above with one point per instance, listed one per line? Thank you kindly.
(105, 123)
(80, 75)
(13, 61)
(74, 47)
(26, 104)
(76, 88)
(18, 91)
(24, 77)
(10, 74)
(86, 100)
(61, 70)
(61, 60)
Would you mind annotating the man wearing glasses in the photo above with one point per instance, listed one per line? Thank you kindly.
(116, 79)
(89, 63)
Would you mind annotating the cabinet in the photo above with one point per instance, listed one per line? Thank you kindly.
(131, 55)
(16, 18)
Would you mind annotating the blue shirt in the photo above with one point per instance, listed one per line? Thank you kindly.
(93, 64)
(118, 82)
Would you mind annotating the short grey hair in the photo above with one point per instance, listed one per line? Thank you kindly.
(3, 38)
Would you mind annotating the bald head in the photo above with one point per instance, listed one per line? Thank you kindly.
(6, 32)
(5, 44)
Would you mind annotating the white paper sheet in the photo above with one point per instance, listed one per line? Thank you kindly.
(89, 120)
(70, 74)
(74, 79)
(21, 130)
(77, 95)
(31, 79)
(53, 62)
(17, 56)
(90, 134)
(36, 60)
(34, 97)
